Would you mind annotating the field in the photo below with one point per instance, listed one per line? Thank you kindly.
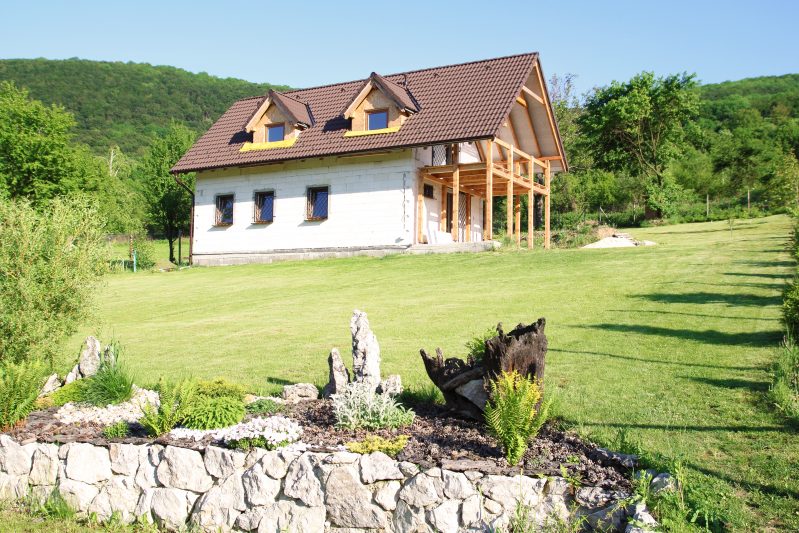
(665, 347)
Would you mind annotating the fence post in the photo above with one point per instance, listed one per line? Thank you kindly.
(134, 261)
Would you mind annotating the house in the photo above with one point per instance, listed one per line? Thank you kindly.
(373, 166)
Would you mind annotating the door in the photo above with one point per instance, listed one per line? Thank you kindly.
(463, 215)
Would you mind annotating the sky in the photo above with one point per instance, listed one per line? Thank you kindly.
(307, 43)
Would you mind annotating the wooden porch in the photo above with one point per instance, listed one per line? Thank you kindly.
(511, 176)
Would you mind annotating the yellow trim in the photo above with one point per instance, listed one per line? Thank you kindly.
(371, 132)
(285, 143)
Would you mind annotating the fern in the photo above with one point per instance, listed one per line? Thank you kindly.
(176, 400)
(511, 414)
(19, 387)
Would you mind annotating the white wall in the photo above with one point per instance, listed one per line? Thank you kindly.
(371, 204)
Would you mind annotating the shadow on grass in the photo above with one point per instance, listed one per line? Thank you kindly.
(655, 361)
(731, 383)
(689, 427)
(751, 284)
(764, 488)
(702, 315)
(708, 336)
(704, 297)
(758, 275)
(784, 263)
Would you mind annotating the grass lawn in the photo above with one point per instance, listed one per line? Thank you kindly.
(666, 346)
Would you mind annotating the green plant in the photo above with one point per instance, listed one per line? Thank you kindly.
(117, 430)
(790, 308)
(376, 443)
(424, 394)
(785, 386)
(145, 254)
(359, 406)
(69, 393)
(265, 406)
(476, 346)
(20, 384)
(112, 384)
(511, 413)
(209, 412)
(54, 507)
(175, 402)
(219, 387)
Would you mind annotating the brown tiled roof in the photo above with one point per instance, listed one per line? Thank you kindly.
(396, 92)
(456, 103)
(296, 109)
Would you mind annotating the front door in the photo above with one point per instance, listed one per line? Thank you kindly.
(463, 215)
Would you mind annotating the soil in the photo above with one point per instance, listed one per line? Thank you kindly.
(436, 438)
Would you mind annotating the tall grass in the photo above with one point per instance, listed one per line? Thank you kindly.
(111, 384)
(785, 388)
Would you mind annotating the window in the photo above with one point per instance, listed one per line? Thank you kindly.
(275, 133)
(317, 203)
(224, 210)
(264, 207)
(377, 120)
(429, 192)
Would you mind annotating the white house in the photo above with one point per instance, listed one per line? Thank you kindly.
(370, 166)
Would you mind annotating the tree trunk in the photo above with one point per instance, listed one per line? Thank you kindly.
(463, 383)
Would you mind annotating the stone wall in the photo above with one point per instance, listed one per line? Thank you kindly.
(286, 490)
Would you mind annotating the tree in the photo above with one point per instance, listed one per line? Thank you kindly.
(169, 205)
(640, 127)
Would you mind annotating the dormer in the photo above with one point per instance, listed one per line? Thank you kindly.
(381, 106)
(277, 122)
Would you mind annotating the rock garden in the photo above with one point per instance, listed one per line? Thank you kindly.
(360, 455)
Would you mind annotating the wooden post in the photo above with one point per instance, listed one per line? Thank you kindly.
(547, 182)
(468, 229)
(488, 223)
(419, 209)
(517, 212)
(456, 195)
(530, 218)
(509, 209)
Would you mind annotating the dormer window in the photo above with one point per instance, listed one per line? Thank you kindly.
(380, 106)
(377, 119)
(275, 133)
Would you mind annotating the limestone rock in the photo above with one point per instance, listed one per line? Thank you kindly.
(342, 458)
(378, 466)
(593, 497)
(446, 517)
(142, 510)
(181, 468)
(220, 506)
(662, 482)
(609, 519)
(73, 375)
(365, 350)
(77, 494)
(13, 487)
(124, 458)
(475, 392)
(339, 375)
(249, 519)
(509, 491)
(348, 501)
(387, 495)
(259, 488)
(288, 517)
(419, 491)
(170, 507)
(301, 483)
(408, 469)
(52, 384)
(300, 392)
(221, 463)
(276, 464)
(392, 385)
(88, 463)
(149, 459)
(456, 485)
(409, 519)
(120, 495)
(14, 459)
(89, 361)
(45, 465)
(471, 510)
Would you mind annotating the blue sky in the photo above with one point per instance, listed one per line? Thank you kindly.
(305, 43)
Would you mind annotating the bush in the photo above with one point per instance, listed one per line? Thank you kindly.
(376, 443)
(70, 393)
(111, 384)
(145, 252)
(785, 388)
(220, 387)
(176, 401)
(118, 430)
(270, 433)
(790, 308)
(214, 412)
(511, 413)
(20, 384)
(265, 406)
(359, 406)
(476, 346)
(50, 262)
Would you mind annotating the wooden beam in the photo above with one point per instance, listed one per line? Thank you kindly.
(517, 215)
(535, 135)
(530, 218)
(532, 95)
(468, 207)
(547, 181)
(442, 216)
(549, 111)
(488, 223)
(509, 208)
(456, 196)
(521, 101)
(419, 209)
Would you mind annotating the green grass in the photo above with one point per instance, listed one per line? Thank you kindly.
(668, 346)
(121, 251)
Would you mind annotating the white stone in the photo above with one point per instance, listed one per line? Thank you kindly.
(342, 458)
(249, 520)
(433, 472)
(144, 505)
(388, 494)
(662, 482)
(77, 494)
(593, 497)
(471, 510)
(407, 518)
(288, 517)
(419, 491)
(89, 361)
(170, 507)
(408, 469)
(253, 456)
(52, 384)
(445, 517)
(45, 465)
(129, 411)
(14, 459)
(348, 501)
(475, 392)
(88, 463)
(181, 468)
(259, 488)
(365, 350)
(456, 485)
(392, 385)
(473, 475)
(221, 463)
(220, 506)
(13, 487)
(512, 490)
(301, 483)
(378, 466)
(41, 493)
(276, 464)
(300, 392)
(149, 459)
(73, 375)
(119, 495)
(338, 377)
(124, 458)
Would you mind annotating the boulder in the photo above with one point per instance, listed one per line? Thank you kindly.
(593, 497)
(408, 518)
(348, 501)
(259, 488)
(89, 360)
(663, 482)
(387, 495)
(124, 458)
(14, 459)
(88, 463)
(300, 392)
(181, 468)
(249, 519)
(73, 375)
(45, 465)
(77, 494)
(13, 487)
(276, 464)
(301, 482)
(446, 517)
(149, 459)
(456, 485)
(378, 466)
(288, 517)
(220, 506)
(170, 507)
(475, 392)
(392, 385)
(339, 375)
(121, 496)
(52, 384)
(221, 463)
(509, 491)
(365, 350)
(419, 491)
(471, 510)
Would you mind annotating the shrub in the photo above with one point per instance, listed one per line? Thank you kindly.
(511, 413)
(785, 388)
(270, 433)
(220, 387)
(176, 400)
(20, 384)
(210, 412)
(476, 346)
(50, 262)
(790, 308)
(145, 253)
(376, 443)
(265, 406)
(359, 406)
(111, 384)
(117, 430)
(70, 393)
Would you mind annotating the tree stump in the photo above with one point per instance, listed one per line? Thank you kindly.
(464, 383)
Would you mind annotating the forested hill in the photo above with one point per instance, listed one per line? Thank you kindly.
(769, 95)
(124, 104)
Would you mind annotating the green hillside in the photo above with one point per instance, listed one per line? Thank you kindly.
(124, 104)
(769, 95)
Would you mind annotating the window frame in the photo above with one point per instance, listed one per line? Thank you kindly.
(371, 112)
(309, 202)
(275, 126)
(218, 222)
(256, 207)
(429, 187)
